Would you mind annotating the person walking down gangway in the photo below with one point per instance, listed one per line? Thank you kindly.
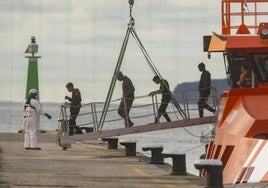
(127, 98)
(204, 90)
(75, 105)
(166, 97)
(32, 111)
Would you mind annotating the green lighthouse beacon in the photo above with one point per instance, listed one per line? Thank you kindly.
(32, 76)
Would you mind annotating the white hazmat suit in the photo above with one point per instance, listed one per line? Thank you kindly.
(32, 112)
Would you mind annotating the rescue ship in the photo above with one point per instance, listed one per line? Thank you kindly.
(241, 135)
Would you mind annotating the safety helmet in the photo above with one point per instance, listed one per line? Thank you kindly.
(33, 91)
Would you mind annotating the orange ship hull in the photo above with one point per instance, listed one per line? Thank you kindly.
(242, 122)
(242, 126)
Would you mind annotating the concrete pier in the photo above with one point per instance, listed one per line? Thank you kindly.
(86, 164)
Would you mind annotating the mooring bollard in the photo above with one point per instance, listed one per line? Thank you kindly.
(112, 142)
(213, 168)
(156, 153)
(178, 160)
(130, 147)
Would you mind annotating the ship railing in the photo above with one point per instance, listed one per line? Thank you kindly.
(249, 13)
(189, 99)
(143, 111)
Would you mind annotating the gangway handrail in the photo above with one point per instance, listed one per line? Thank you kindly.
(112, 130)
(143, 108)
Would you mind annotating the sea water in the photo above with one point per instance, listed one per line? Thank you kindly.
(186, 139)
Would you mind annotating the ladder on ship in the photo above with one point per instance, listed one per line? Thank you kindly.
(98, 127)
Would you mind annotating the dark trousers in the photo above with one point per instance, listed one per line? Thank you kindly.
(124, 109)
(162, 111)
(202, 104)
(73, 129)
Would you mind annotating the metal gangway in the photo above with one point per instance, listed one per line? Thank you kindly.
(142, 113)
(104, 117)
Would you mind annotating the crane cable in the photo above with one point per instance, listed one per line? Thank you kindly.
(131, 30)
(112, 85)
(156, 72)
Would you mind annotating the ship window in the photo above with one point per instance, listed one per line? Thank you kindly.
(248, 174)
(241, 174)
(217, 152)
(226, 154)
(234, 69)
(261, 61)
(210, 153)
(261, 136)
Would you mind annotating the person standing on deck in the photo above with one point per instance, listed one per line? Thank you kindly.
(75, 105)
(166, 97)
(204, 90)
(127, 98)
(32, 111)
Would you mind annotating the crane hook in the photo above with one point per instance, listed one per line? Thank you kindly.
(131, 19)
(131, 2)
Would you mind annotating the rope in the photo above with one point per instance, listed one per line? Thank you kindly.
(155, 71)
(188, 150)
(198, 136)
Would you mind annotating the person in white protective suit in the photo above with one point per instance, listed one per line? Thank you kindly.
(32, 111)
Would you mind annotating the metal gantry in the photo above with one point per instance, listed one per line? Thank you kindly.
(131, 30)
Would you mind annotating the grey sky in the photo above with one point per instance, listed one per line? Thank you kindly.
(80, 40)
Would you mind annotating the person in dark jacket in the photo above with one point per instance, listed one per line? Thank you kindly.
(127, 98)
(75, 105)
(166, 97)
(204, 90)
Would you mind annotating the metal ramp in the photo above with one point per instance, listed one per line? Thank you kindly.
(67, 140)
(143, 112)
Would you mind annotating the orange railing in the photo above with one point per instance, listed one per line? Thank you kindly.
(243, 16)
